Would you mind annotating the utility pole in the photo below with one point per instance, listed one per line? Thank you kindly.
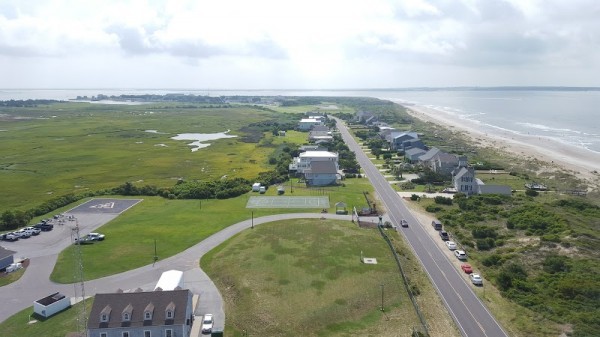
(382, 297)
(79, 281)
(252, 219)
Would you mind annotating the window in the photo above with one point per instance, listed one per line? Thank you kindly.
(168, 333)
(104, 318)
(169, 314)
(103, 334)
(147, 315)
(125, 316)
(125, 334)
(147, 333)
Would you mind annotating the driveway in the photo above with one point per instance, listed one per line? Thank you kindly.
(43, 253)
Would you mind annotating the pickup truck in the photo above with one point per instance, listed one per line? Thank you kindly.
(10, 237)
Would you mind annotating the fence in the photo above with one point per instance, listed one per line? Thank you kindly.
(425, 332)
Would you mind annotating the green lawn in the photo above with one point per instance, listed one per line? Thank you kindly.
(315, 266)
(177, 225)
(23, 324)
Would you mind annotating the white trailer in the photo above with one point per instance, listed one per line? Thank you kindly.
(255, 187)
(170, 280)
(51, 305)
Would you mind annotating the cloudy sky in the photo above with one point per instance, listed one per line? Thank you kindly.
(291, 44)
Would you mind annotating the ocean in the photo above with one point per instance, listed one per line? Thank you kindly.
(569, 116)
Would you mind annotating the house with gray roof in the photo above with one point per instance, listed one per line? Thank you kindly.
(412, 155)
(321, 173)
(464, 181)
(397, 138)
(6, 258)
(141, 314)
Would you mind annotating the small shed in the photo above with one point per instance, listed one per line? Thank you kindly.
(6, 257)
(255, 187)
(51, 305)
(170, 280)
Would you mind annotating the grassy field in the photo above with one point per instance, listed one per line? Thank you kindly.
(23, 324)
(315, 266)
(177, 225)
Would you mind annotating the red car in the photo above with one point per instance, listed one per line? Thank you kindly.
(466, 268)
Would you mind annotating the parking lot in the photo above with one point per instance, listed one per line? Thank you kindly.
(88, 216)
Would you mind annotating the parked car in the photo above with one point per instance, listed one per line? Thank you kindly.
(95, 237)
(44, 226)
(23, 234)
(451, 245)
(207, 323)
(444, 235)
(460, 254)
(33, 230)
(10, 236)
(466, 268)
(476, 279)
(403, 223)
(437, 225)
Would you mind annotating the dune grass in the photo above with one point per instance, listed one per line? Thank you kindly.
(315, 266)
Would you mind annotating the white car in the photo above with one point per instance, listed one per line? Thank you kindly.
(476, 279)
(460, 254)
(451, 245)
(23, 234)
(95, 237)
(207, 323)
(33, 230)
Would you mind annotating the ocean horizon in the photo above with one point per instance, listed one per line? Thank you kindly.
(566, 114)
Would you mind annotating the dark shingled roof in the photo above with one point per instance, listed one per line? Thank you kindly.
(138, 302)
(322, 167)
(5, 252)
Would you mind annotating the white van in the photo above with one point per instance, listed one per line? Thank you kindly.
(262, 190)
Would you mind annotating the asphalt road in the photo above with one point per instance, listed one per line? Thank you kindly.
(43, 252)
(470, 314)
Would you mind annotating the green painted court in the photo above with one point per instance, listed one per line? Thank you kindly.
(288, 202)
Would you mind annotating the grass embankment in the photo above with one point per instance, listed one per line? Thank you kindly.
(23, 324)
(304, 277)
(177, 225)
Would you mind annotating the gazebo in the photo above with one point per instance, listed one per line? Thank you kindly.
(340, 208)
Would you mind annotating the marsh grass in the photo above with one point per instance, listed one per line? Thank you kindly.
(285, 276)
(77, 147)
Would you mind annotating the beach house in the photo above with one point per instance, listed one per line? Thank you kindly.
(305, 159)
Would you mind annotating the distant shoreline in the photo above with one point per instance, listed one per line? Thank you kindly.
(584, 163)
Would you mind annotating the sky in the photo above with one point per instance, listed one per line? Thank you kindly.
(290, 44)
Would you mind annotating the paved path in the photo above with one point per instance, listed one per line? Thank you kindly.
(470, 314)
(35, 283)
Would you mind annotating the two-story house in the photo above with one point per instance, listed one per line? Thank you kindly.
(141, 314)
(303, 161)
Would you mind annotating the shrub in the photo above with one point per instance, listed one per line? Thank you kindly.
(531, 193)
(443, 200)
(433, 208)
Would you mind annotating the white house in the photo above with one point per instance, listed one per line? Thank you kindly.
(306, 124)
(304, 160)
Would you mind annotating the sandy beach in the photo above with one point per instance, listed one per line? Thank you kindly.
(582, 162)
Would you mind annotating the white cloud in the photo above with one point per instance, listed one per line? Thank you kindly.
(298, 44)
